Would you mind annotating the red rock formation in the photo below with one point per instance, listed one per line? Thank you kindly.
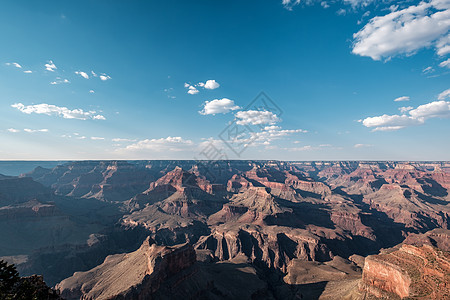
(127, 276)
(272, 245)
(409, 271)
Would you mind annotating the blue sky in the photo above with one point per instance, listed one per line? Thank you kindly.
(110, 79)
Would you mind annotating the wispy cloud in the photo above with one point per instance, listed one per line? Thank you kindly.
(160, 145)
(428, 70)
(404, 109)
(310, 148)
(82, 74)
(59, 81)
(218, 106)
(403, 98)
(289, 4)
(443, 45)
(97, 138)
(14, 64)
(27, 130)
(271, 133)
(53, 110)
(122, 140)
(35, 130)
(362, 145)
(256, 117)
(444, 95)
(445, 64)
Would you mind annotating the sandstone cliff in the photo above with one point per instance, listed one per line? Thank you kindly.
(410, 271)
(126, 276)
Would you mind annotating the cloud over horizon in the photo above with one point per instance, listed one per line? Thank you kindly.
(411, 116)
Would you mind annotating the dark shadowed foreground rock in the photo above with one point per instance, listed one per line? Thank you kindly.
(125, 276)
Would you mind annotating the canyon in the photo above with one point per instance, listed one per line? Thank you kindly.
(212, 229)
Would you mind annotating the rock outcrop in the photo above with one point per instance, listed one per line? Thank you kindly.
(409, 271)
(129, 276)
(275, 219)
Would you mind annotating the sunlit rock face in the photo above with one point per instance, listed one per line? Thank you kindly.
(285, 222)
(127, 276)
(410, 271)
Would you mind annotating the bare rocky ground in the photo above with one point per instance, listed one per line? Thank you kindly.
(267, 229)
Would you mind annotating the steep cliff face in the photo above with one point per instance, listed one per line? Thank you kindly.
(271, 246)
(278, 216)
(410, 271)
(126, 276)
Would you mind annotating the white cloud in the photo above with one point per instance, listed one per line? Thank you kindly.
(270, 133)
(13, 130)
(105, 77)
(82, 74)
(98, 117)
(192, 90)
(362, 145)
(59, 81)
(53, 110)
(28, 71)
(436, 109)
(443, 46)
(218, 106)
(404, 31)
(403, 98)
(428, 70)
(94, 74)
(161, 145)
(91, 91)
(14, 64)
(391, 120)
(303, 148)
(324, 4)
(388, 128)
(35, 130)
(256, 117)
(404, 109)
(121, 140)
(211, 85)
(445, 63)
(341, 12)
(414, 116)
(444, 95)
(288, 4)
(50, 66)
(356, 3)
(96, 138)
